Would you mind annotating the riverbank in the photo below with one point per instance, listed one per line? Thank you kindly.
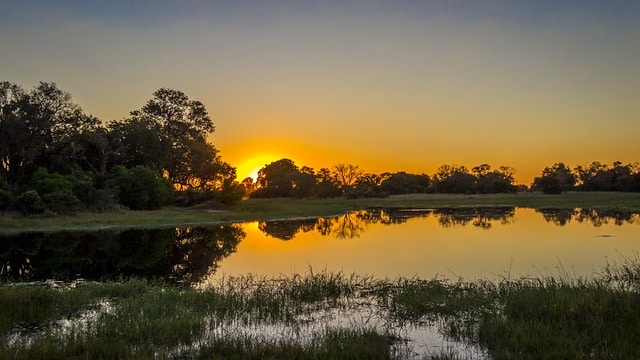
(271, 209)
(328, 315)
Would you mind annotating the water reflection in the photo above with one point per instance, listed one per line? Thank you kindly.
(439, 239)
(593, 217)
(174, 255)
(354, 224)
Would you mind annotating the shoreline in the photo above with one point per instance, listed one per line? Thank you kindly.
(286, 209)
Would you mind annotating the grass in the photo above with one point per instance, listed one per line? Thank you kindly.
(551, 317)
(272, 209)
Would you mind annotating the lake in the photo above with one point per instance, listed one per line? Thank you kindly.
(470, 243)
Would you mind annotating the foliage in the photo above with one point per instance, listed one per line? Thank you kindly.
(140, 188)
(6, 198)
(403, 183)
(56, 191)
(29, 202)
(555, 179)
(62, 202)
(600, 177)
(283, 178)
(346, 176)
(38, 130)
(181, 126)
(51, 146)
(453, 179)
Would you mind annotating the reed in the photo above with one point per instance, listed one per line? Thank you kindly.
(546, 317)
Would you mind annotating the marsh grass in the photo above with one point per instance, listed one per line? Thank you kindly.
(546, 317)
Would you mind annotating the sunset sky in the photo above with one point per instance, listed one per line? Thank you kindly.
(386, 85)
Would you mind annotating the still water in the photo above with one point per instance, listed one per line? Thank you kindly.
(472, 243)
(444, 243)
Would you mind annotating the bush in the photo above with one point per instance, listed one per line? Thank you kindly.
(140, 188)
(62, 202)
(29, 202)
(44, 182)
(5, 199)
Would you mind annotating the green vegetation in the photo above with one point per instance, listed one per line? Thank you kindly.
(246, 317)
(285, 208)
(55, 158)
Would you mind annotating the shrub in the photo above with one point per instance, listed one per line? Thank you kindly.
(44, 182)
(140, 188)
(29, 202)
(5, 199)
(62, 202)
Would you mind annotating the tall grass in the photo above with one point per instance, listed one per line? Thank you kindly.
(547, 317)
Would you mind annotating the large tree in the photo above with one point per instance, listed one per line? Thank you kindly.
(555, 179)
(454, 179)
(182, 125)
(38, 129)
(283, 178)
(346, 175)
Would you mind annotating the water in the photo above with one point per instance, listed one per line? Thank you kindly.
(492, 243)
(470, 243)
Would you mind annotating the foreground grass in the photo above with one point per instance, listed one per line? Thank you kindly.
(271, 209)
(561, 317)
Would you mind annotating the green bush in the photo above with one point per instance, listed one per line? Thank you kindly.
(44, 182)
(140, 188)
(62, 202)
(5, 199)
(29, 202)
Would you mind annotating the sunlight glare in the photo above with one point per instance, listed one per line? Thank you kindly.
(251, 166)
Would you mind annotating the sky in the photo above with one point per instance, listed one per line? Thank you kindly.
(385, 85)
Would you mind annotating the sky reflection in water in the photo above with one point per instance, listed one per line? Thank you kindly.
(474, 243)
(444, 243)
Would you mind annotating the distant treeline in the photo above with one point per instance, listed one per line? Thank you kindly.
(283, 178)
(593, 177)
(54, 157)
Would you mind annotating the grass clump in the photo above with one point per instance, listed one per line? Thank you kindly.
(335, 344)
(33, 305)
(596, 317)
(559, 320)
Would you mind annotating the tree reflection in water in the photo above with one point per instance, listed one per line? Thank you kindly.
(353, 224)
(174, 255)
(478, 217)
(594, 217)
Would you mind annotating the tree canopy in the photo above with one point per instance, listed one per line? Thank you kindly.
(139, 161)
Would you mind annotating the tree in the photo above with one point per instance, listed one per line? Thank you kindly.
(38, 129)
(248, 185)
(276, 179)
(325, 184)
(95, 149)
(346, 175)
(181, 125)
(139, 142)
(555, 179)
(454, 179)
(493, 182)
(403, 183)
(367, 185)
(140, 188)
(283, 178)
